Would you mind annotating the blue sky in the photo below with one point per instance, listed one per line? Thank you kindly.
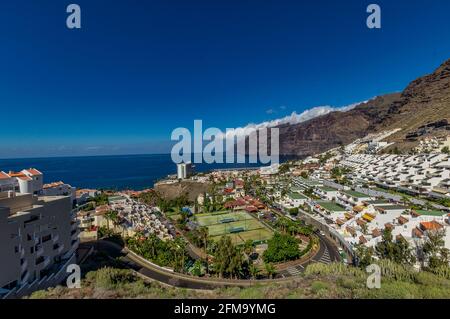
(138, 69)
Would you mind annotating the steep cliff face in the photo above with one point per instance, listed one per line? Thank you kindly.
(423, 103)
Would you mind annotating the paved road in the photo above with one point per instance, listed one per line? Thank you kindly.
(182, 281)
(327, 254)
(115, 251)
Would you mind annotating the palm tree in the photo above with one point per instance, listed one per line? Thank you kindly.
(254, 271)
(203, 233)
(270, 270)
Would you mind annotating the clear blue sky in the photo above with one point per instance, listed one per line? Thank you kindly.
(138, 69)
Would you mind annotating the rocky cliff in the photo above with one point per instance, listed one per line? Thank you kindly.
(422, 109)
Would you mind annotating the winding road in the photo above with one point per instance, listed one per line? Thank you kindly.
(151, 271)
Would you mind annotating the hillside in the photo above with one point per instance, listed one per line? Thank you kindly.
(189, 188)
(319, 281)
(422, 109)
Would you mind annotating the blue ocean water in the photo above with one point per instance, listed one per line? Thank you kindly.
(135, 172)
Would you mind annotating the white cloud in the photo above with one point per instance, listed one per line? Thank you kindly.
(294, 118)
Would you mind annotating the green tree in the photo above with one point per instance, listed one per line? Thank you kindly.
(254, 271)
(397, 251)
(282, 247)
(434, 251)
(445, 150)
(365, 255)
(228, 259)
(293, 211)
(270, 270)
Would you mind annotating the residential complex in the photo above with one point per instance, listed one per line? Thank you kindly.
(39, 235)
(416, 174)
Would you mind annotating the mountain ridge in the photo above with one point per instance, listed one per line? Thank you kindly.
(423, 103)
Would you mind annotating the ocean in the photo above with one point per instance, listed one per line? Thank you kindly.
(134, 172)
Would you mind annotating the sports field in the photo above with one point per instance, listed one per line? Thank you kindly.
(239, 226)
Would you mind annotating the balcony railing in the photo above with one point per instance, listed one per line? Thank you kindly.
(55, 238)
(39, 251)
(24, 266)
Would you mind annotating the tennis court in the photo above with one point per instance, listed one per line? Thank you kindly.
(239, 226)
(222, 218)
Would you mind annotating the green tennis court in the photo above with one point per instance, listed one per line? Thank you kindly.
(239, 226)
(212, 219)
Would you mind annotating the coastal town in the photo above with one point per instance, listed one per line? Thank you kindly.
(342, 206)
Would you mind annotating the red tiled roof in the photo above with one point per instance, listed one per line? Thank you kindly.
(3, 175)
(433, 225)
(402, 220)
(351, 230)
(55, 184)
(33, 171)
(376, 233)
(360, 222)
(239, 182)
(15, 174)
(362, 239)
(251, 209)
(416, 232)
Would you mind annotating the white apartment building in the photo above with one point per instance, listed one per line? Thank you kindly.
(38, 240)
(184, 170)
(26, 181)
(422, 173)
(59, 189)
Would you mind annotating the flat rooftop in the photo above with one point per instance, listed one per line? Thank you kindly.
(297, 196)
(436, 213)
(327, 189)
(330, 206)
(355, 194)
(392, 207)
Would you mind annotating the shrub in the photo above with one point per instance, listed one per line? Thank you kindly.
(110, 278)
(318, 286)
(281, 247)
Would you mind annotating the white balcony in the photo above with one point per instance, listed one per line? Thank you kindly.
(55, 238)
(46, 262)
(25, 278)
(24, 266)
(75, 234)
(39, 251)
